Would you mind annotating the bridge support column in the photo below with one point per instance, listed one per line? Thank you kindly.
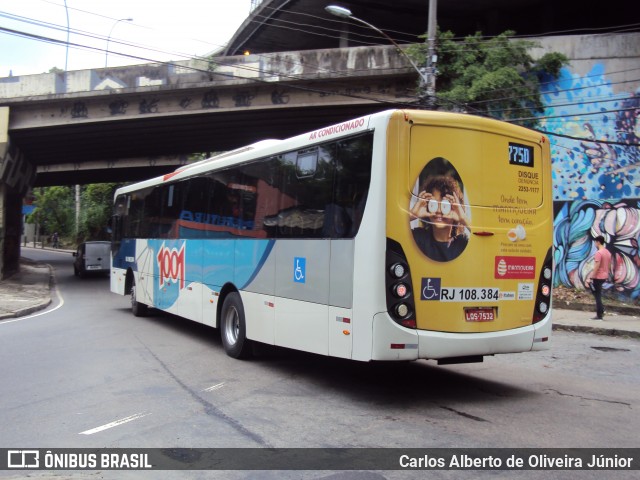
(16, 175)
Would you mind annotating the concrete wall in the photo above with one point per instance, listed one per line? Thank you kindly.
(275, 67)
(596, 181)
(16, 174)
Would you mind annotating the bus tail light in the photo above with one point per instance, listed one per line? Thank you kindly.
(543, 297)
(400, 290)
(400, 303)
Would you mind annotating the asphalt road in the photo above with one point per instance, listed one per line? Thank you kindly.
(86, 373)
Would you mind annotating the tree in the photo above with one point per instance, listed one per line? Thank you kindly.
(95, 211)
(495, 77)
(54, 210)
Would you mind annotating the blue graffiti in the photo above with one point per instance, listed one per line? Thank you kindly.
(587, 107)
(596, 180)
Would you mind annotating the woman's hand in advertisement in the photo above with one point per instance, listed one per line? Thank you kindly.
(419, 209)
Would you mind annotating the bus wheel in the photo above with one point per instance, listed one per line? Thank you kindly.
(138, 309)
(233, 328)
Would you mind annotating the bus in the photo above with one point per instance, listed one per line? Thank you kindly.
(402, 235)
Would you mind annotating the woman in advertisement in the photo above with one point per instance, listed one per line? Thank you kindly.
(442, 230)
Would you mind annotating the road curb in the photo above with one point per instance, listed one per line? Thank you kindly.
(26, 311)
(40, 305)
(586, 307)
(609, 332)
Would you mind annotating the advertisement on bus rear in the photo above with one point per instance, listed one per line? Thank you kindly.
(472, 210)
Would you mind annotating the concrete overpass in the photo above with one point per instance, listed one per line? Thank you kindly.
(73, 126)
(130, 123)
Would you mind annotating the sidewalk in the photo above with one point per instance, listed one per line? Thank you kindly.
(572, 318)
(29, 290)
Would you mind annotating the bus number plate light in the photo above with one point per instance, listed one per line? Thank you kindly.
(480, 314)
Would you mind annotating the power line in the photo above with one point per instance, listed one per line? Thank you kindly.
(148, 48)
(144, 47)
(210, 59)
(249, 68)
(605, 142)
(293, 77)
(82, 33)
(555, 105)
(150, 60)
(575, 115)
(112, 19)
(555, 92)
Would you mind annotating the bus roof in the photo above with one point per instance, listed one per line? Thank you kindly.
(265, 148)
(260, 149)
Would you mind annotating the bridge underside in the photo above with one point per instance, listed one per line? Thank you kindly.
(200, 116)
(83, 146)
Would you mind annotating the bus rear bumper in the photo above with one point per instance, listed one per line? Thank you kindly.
(393, 342)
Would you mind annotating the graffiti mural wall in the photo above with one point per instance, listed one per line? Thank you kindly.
(596, 182)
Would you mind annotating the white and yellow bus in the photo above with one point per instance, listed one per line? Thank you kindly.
(401, 235)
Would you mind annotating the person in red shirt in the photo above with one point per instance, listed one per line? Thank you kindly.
(599, 274)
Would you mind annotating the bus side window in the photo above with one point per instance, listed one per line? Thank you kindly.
(193, 216)
(353, 175)
(173, 198)
(263, 212)
(225, 207)
(304, 201)
(134, 223)
(162, 211)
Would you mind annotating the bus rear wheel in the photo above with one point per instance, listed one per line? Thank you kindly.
(233, 328)
(138, 309)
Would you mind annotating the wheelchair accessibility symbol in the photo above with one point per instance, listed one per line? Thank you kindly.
(431, 289)
(299, 269)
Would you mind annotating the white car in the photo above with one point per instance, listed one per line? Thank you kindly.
(92, 257)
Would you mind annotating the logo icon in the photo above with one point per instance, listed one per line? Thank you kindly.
(171, 265)
(515, 268)
(23, 459)
(299, 269)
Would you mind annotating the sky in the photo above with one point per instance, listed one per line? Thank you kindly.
(161, 30)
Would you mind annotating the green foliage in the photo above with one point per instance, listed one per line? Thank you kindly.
(54, 210)
(495, 77)
(95, 212)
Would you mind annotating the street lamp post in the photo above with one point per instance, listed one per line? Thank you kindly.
(106, 53)
(431, 51)
(66, 55)
(346, 13)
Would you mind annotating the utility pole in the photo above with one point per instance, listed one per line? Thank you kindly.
(427, 89)
(66, 55)
(432, 58)
(77, 212)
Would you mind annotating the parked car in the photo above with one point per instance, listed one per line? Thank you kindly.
(92, 257)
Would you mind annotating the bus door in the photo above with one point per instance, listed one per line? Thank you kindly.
(472, 245)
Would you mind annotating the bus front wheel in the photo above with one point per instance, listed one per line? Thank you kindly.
(233, 327)
(138, 309)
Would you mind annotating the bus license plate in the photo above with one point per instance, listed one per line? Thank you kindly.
(479, 314)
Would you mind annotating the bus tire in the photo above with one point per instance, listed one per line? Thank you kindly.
(233, 328)
(138, 309)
